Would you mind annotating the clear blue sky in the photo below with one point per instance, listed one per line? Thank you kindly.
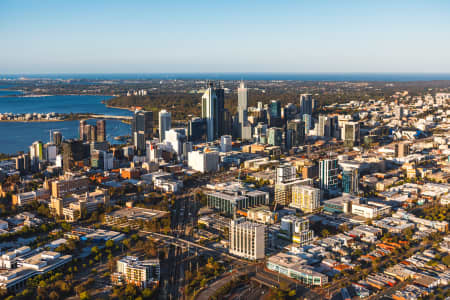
(81, 36)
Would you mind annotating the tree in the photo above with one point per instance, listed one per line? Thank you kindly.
(109, 244)
(95, 250)
(325, 233)
(446, 260)
(54, 295)
(84, 296)
(131, 291)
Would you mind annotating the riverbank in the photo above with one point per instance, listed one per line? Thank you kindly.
(120, 107)
(33, 121)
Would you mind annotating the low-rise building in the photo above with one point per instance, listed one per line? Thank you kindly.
(22, 199)
(24, 263)
(292, 266)
(130, 270)
(228, 202)
(133, 216)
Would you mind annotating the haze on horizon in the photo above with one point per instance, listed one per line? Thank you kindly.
(224, 36)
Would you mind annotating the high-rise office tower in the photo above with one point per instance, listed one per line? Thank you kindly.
(23, 163)
(321, 131)
(308, 123)
(275, 136)
(245, 130)
(101, 131)
(165, 123)
(260, 132)
(50, 151)
(81, 129)
(328, 174)
(305, 197)
(93, 135)
(57, 138)
(274, 113)
(295, 133)
(213, 112)
(351, 133)
(222, 127)
(142, 129)
(328, 126)
(197, 130)
(306, 104)
(350, 180)
(275, 108)
(73, 150)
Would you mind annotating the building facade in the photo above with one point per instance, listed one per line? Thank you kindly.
(247, 240)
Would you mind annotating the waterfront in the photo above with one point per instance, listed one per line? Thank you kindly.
(18, 136)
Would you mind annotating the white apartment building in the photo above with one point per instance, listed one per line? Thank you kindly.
(203, 162)
(133, 271)
(175, 138)
(247, 239)
(306, 198)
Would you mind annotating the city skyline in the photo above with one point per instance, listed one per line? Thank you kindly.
(114, 37)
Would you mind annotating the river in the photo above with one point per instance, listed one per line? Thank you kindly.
(18, 136)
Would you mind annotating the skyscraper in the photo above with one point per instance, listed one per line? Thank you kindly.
(36, 153)
(197, 130)
(101, 131)
(221, 128)
(295, 133)
(306, 104)
(328, 126)
(328, 174)
(350, 133)
(245, 130)
(308, 123)
(73, 150)
(275, 136)
(57, 138)
(165, 123)
(176, 137)
(274, 113)
(142, 129)
(81, 129)
(350, 180)
(210, 112)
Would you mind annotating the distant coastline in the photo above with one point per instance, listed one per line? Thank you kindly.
(267, 76)
(34, 121)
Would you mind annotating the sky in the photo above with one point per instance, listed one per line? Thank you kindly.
(94, 36)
